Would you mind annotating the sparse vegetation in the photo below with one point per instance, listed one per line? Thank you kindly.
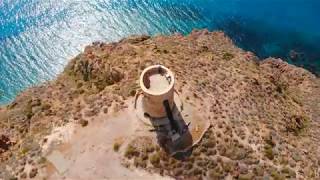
(116, 146)
(131, 151)
(24, 150)
(46, 107)
(244, 100)
(85, 69)
(150, 149)
(139, 162)
(289, 173)
(227, 56)
(297, 123)
(155, 159)
(215, 174)
(42, 160)
(277, 176)
(268, 152)
(83, 122)
(28, 110)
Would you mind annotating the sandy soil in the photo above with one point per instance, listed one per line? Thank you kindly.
(264, 115)
(87, 153)
(75, 152)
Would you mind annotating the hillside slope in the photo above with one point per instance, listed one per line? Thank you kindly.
(264, 114)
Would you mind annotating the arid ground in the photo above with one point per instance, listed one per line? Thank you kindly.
(264, 115)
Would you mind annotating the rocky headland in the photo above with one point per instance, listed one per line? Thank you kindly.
(264, 115)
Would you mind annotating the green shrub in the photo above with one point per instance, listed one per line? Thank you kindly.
(144, 156)
(139, 162)
(83, 123)
(297, 123)
(24, 150)
(227, 56)
(42, 160)
(131, 152)
(150, 149)
(277, 176)
(28, 110)
(155, 159)
(116, 146)
(268, 152)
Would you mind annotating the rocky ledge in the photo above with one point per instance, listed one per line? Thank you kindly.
(264, 114)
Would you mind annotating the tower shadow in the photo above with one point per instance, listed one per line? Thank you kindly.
(173, 135)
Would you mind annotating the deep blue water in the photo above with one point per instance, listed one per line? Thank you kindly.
(37, 37)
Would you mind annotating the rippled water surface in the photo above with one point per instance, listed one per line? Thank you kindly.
(37, 37)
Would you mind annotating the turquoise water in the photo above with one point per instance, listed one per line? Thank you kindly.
(37, 37)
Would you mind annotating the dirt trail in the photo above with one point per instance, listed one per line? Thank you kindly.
(88, 153)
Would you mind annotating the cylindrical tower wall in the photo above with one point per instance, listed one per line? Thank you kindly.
(155, 94)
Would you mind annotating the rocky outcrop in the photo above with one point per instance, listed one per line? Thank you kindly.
(264, 114)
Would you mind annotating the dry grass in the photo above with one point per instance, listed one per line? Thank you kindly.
(116, 146)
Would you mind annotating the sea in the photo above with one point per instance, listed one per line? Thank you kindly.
(38, 37)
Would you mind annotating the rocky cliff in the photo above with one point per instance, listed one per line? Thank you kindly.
(264, 114)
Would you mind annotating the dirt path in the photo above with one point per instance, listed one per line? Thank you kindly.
(87, 153)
